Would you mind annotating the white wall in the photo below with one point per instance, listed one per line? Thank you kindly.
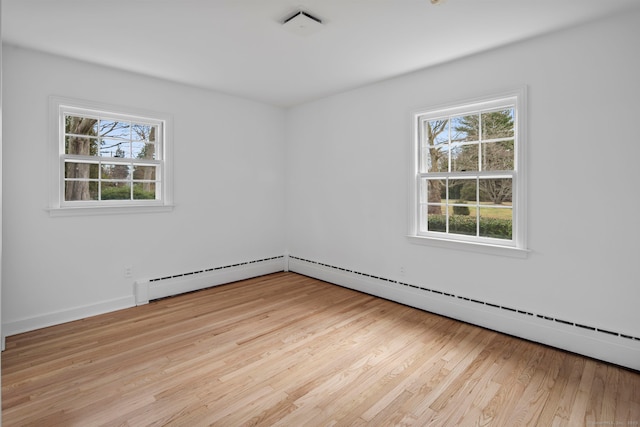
(342, 164)
(228, 191)
(347, 181)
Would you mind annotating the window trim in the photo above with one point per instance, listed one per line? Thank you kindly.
(517, 247)
(57, 206)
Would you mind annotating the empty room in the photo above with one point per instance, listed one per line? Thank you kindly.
(336, 212)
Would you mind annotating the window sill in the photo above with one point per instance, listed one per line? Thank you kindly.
(107, 210)
(482, 248)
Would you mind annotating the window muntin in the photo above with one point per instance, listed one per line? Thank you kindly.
(108, 158)
(468, 183)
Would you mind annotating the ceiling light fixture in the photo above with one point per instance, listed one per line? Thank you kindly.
(302, 23)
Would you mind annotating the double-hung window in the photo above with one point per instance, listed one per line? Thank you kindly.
(468, 174)
(108, 159)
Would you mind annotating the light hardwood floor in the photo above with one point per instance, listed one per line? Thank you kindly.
(289, 350)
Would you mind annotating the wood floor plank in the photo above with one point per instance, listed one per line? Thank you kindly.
(289, 350)
(565, 403)
(556, 387)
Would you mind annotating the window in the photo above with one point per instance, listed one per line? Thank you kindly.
(468, 174)
(108, 159)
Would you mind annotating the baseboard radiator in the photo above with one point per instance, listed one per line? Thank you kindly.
(150, 289)
(620, 348)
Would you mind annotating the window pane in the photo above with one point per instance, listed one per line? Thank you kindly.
(83, 146)
(116, 191)
(498, 156)
(463, 190)
(464, 158)
(463, 224)
(147, 173)
(465, 128)
(115, 171)
(496, 191)
(460, 207)
(80, 181)
(76, 170)
(497, 124)
(433, 191)
(143, 150)
(436, 218)
(496, 222)
(144, 191)
(114, 148)
(437, 132)
(432, 210)
(80, 190)
(80, 125)
(435, 159)
(126, 150)
(115, 129)
(140, 132)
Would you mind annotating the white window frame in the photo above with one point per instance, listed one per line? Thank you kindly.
(517, 246)
(58, 206)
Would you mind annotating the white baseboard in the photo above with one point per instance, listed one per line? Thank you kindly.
(608, 346)
(63, 316)
(147, 290)
(602, 345)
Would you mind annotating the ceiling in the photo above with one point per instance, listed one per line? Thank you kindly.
(240, 47)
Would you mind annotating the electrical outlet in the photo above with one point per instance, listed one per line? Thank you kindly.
(128, 271)
(402, 271)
